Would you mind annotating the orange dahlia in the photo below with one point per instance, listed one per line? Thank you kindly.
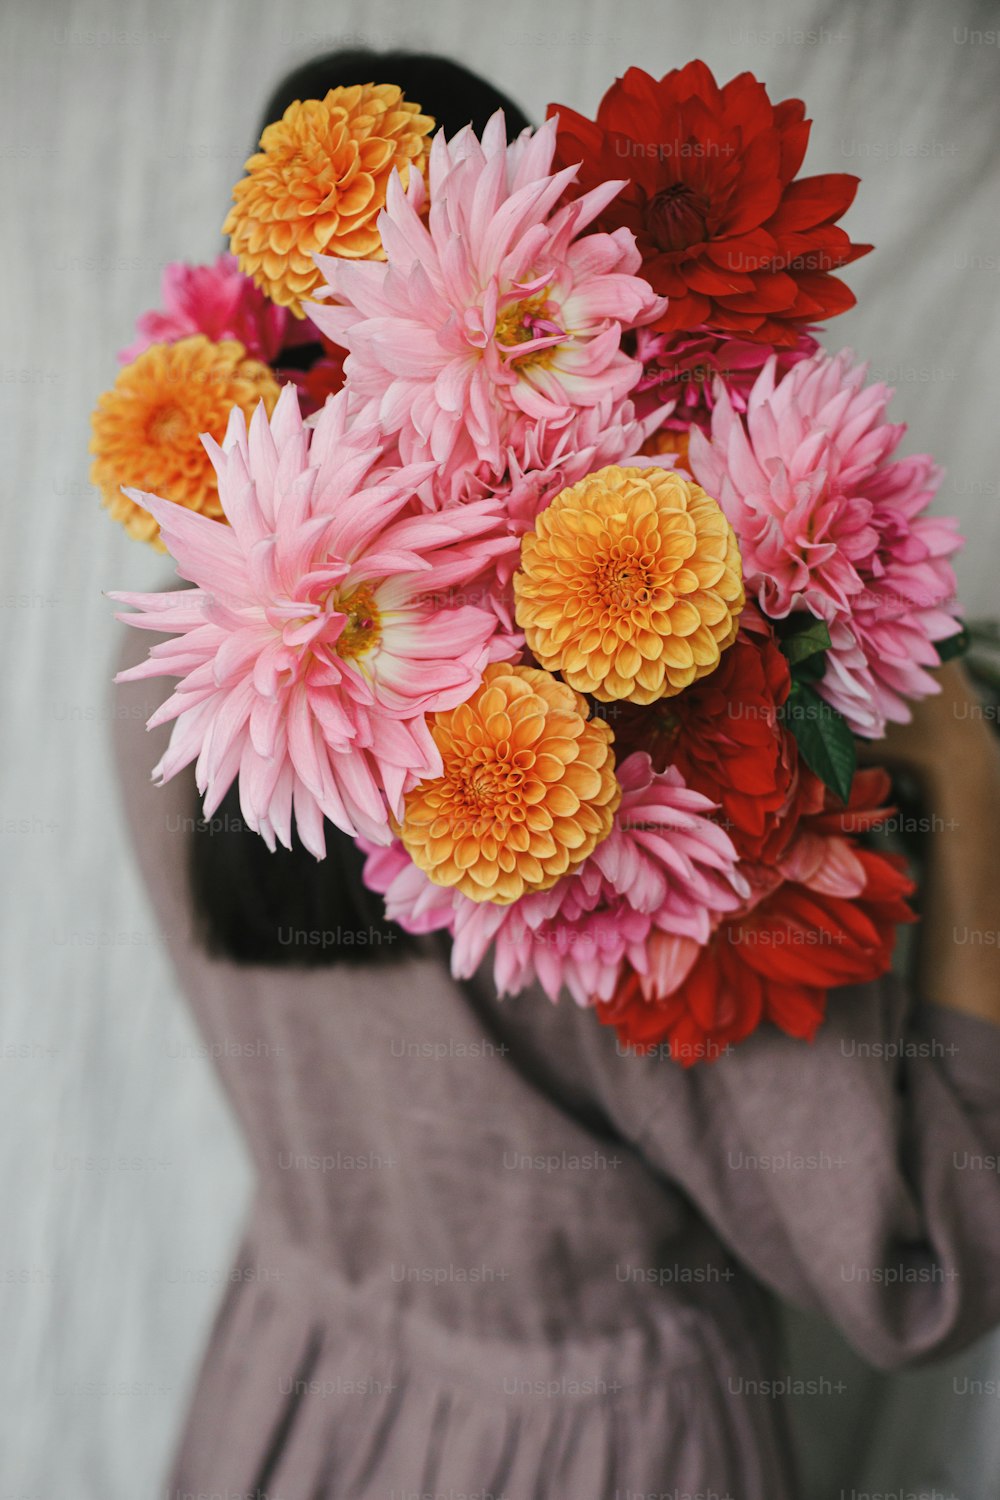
(146, 431)
(527, 792)
(672, 440)
(630, 585)
(318, 185)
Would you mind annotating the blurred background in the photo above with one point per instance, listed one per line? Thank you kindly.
(122, 1177)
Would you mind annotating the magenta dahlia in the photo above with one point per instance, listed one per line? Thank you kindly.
(683, 369)
(220, 302)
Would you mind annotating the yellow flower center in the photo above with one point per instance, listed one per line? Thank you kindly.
(363, 630)
(167, 425)
(524, 322)
(489, 782)
(622, 581)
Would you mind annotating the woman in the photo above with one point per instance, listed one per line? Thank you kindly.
(490, 1253)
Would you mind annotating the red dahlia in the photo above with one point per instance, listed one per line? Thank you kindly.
(776, 960)
(776, 963)
(724, 231)
(724, 735)
(321, 378)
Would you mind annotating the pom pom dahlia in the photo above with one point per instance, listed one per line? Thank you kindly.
(829, 522)
(497, 314)
(547, 460)
(318, 185)
(629, 584)
(148, 428)
(725, 233)
(526, 791)
(307, 654)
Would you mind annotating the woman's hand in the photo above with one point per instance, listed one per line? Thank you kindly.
(952, 749)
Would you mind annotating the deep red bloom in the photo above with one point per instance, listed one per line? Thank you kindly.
(724, 735)
(775, 963)
(777, 960)
(323, 377)
(724, 231)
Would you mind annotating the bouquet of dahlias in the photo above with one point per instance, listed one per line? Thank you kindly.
(539, 546)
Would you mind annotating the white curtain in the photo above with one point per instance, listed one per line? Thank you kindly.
(126, 122)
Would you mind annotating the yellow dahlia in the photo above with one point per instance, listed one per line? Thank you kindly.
(527, 792)
(630, 585)
(146, 431)
(318, 185)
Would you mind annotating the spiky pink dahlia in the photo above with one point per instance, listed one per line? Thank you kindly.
(828, 521)
(494, 315)
(308, 653)
(665, 867)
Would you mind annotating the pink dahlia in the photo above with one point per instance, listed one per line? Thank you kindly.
(548, 458)
(496, 314)
(828, 521)
(546, 461)
(307, 654)
(682, 369)
(220, 302)
(665, 867)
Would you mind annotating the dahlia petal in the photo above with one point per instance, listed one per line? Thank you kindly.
(309, 820)
(203, 549)
(312, 691)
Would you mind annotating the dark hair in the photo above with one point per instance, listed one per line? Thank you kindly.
(287, 908)
(452, 94)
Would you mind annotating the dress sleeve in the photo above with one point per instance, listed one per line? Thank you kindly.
(857, 1175)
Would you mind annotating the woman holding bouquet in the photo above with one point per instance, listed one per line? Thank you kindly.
(494, 1250)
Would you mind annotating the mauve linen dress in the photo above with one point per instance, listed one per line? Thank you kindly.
(492, 1255)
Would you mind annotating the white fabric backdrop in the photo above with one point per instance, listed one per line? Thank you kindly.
(121, 1172)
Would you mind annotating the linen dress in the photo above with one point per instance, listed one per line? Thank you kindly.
(493, 1255)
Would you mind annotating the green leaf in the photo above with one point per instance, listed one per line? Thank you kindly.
(810, 670)
(824, 739)
(805, 640)
(953, 645)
